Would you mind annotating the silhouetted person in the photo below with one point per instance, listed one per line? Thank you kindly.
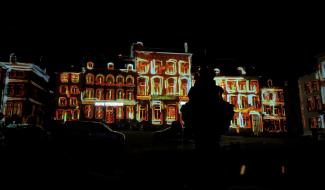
(205, 112)
(207, 116)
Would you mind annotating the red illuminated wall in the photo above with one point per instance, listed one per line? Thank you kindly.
(163, 83)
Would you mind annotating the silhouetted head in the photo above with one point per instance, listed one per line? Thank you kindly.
(220, 91)
(206, 74)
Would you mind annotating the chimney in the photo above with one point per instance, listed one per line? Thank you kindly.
(185, 47)
(12, 58)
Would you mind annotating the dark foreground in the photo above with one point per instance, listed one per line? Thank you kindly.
(242, 163)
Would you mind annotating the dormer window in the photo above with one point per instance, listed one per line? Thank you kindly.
(90, 65)
(110, 66)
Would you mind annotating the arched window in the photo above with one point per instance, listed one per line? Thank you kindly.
(110, 66)
(100, 79)
(120, 79)
(129, 80)
(90, 79)
(90, 65)
(110, 80)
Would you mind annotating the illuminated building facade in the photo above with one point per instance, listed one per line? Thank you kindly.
(312, 97)
(244, 94)
(97, 94)
(163, 82)
(311, 103)
(24, 92)
(273, 109)
(68, 96)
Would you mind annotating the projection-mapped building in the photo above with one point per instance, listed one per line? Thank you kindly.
(244, 93)
(97, 94)
(24, 92)
(162, 85)
(312, 97)
(273, 109)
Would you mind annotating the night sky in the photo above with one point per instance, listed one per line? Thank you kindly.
(275, 41)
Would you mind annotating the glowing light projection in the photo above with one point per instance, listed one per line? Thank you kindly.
(273, 109)
(243, 93)
(165, 78)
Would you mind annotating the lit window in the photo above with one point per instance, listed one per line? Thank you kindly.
(100, 79)
(63, 89)
(142, 66)
(120, 79)
(119, 114)
(142, 86)
(130, 95)
(129, 80)
(253, 86)
(156, 67)
(171, 86)
(59, 114)
(75, 114)
(129, 112)
(110, 79)
(17, 110)
(143, 113)
(74, 90)
(170, 67)
(109, 117)
(184, 67)
(110, 94)
(89, 111)
(99, 112)
(90, 79)
(73, 101)
(120, 94)
(171, 113)
(100, 94)
(89, 93)
(9, 109)
(75, 77)
(184, 87)
(110, 66)
(156, 112)
(90, 65)
(62, 101)
(64, 77)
